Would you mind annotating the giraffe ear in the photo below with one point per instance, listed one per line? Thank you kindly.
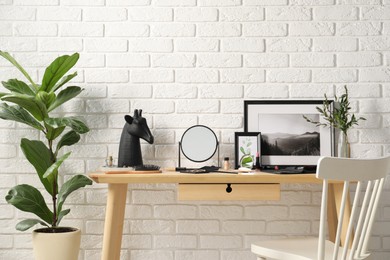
(128, 119)
(140, 113)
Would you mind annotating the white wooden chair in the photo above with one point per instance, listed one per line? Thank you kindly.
(366, 172)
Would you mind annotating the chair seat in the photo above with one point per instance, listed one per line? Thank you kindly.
(370, 175)
(292, 249)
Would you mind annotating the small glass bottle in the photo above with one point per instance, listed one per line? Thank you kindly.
(109, 161)
(226, 164)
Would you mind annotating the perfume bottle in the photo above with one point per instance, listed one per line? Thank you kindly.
(226, 164)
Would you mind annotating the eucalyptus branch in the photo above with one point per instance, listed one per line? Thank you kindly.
(340, 117)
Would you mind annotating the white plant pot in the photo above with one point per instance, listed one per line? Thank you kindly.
(56, 246)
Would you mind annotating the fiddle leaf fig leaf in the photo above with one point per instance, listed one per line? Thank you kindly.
(62, 214)
(46, 98)
(15, 85)
(18, 114)
(27, 198)
(31, 104)
(73, 122)
(68, 139)
(64, 96)
(53, 169)
(73, 184)
(28, 223)
(53, 133)
(11, 59)
(56, 70)
(40, 157)
(55, 126)
(77, 125)
(63, 81)
(55, 122)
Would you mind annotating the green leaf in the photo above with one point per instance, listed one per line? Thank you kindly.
(55, 127)
(19, 114)
(53, 133)
(338, 116)
(63, 81)
(27, 198)
(68, 139)
(77, 125)
(246, 160)
(18, 86)
(28, 223)
(62, 214)
(58, 68)
(41, 158)
(32, 105)
(8, 57)
(55, 122)
(53, 169)
(73, 184)
(64, 96)
(73, 122)
(46, 98)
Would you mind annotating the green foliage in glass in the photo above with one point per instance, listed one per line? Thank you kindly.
(31, 103)
(340, 117)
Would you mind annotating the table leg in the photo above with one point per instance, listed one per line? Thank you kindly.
(335, 192)
(113, 225)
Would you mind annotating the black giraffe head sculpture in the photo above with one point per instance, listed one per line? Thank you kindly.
(129, 147)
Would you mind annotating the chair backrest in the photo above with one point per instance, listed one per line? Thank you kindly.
(369, 174)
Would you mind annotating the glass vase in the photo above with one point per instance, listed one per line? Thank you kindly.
(344, 148)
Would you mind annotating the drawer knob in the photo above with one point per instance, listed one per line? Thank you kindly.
(229, 188)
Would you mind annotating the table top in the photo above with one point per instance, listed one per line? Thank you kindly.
(177, 177)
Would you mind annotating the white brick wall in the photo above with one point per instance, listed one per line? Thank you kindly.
(186, 62)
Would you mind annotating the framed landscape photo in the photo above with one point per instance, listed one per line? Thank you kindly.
(287, 139)
(246, 144)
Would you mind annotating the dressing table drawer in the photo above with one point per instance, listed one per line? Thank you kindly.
(234, 191)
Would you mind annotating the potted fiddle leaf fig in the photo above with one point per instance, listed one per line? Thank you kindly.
(32, 104)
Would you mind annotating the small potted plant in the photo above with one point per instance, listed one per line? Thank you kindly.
(340, 118)
(31, 104)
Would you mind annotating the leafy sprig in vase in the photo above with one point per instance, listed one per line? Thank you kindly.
(340, 118)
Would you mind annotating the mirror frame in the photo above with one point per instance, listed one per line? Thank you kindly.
(198, 161)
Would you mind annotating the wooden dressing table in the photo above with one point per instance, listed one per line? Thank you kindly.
(210, 186)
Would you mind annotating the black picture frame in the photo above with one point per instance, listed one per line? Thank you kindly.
(283, 129)
(254, 147)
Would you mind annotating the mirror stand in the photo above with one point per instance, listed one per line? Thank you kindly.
(179, 155)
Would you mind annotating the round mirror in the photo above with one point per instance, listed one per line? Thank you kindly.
(199, 143)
